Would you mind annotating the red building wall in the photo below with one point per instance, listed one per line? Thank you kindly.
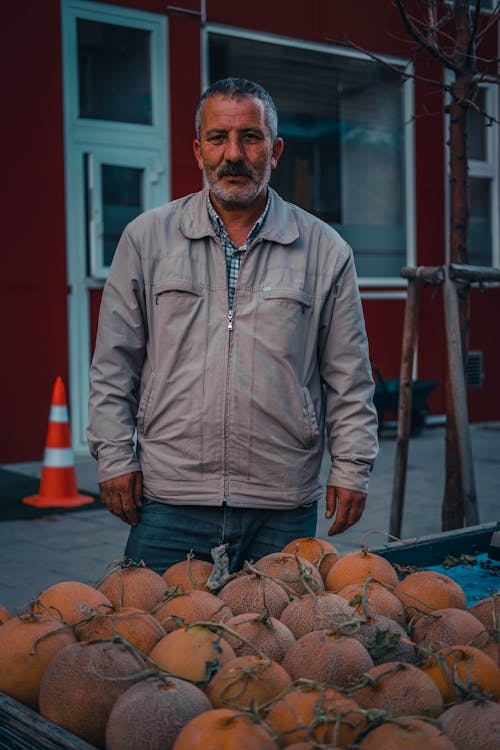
(185, 87)
(370, 24)
(33, 287)
(34, 290)
(485, 314)
(384, 323)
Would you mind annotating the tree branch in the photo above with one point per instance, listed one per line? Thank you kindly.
(421, 40)
(402, 72)
(492, 21)
(488, 60)
(475, 25)
(490, 78)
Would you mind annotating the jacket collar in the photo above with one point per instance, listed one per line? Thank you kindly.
(279, 226)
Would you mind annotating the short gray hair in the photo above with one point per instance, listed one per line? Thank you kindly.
(239, 88)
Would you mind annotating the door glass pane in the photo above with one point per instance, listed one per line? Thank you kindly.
(480, 242)
(476, 129)
(343, 125)
(122, 201)
(114, 72)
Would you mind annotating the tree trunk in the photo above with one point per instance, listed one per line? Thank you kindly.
(463, 90)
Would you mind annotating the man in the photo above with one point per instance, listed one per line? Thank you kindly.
(230, 335)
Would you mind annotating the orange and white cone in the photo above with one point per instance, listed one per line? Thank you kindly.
(58, 483)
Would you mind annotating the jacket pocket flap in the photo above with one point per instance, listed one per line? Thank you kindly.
(293, 294)
(177, 285)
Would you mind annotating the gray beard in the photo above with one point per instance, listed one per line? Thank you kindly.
(245, 196)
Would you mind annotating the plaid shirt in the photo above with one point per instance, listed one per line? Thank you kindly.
(232, 251)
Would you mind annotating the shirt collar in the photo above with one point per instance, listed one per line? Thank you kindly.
(218, 224)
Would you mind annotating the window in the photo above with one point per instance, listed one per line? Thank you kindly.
(343, 121)
(119, 185)
(115, 64)
(108, 55)
(122, 201)
(482, 151)
(115, 116)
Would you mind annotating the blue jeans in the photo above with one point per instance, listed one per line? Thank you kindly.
(167, 533)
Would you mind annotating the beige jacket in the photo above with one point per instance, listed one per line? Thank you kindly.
(232, 410)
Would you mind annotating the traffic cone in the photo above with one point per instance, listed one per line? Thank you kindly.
(58, 483)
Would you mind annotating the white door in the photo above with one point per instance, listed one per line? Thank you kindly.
(115, 117)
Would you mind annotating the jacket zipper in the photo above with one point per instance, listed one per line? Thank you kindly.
(226, 403)
(230, 323)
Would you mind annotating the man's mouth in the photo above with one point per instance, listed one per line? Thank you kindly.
(236, 173)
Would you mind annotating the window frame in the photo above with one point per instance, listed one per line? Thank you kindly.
(488, 168)
(86, 135)
(407, 93)
(116, 15)
(140, 159)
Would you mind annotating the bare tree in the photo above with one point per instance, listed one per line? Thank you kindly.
(453, 33)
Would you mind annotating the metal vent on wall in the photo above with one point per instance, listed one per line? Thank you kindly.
(475, 370)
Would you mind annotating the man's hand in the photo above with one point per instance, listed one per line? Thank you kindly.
(346, 505)
(123, 495)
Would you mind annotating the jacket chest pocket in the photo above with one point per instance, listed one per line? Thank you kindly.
(175, 291)
(178, 308)
(287, 312)
(294, 300)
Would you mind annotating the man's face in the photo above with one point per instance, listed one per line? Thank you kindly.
(235, 149)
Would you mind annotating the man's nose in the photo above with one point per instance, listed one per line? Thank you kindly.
(233, 150)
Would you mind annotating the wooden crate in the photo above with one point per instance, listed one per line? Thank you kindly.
(24, 729)
(433, 549)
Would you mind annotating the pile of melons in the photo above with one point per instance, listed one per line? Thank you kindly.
(301, 649)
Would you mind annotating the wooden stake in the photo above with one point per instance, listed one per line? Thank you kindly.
(404, 405)
(479, 274)
(459, 396)
(437, 275)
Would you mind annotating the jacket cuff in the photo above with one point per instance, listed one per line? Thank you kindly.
(350, 475)
(112, 466)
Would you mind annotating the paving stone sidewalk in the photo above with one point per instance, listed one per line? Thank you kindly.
(80, 545)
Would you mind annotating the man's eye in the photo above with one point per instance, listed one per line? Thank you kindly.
(216, 138)
(251, 138)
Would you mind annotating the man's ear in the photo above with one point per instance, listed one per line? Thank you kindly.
(278, 147)
(197, 153)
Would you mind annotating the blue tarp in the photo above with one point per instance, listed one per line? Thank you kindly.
(479, 578)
